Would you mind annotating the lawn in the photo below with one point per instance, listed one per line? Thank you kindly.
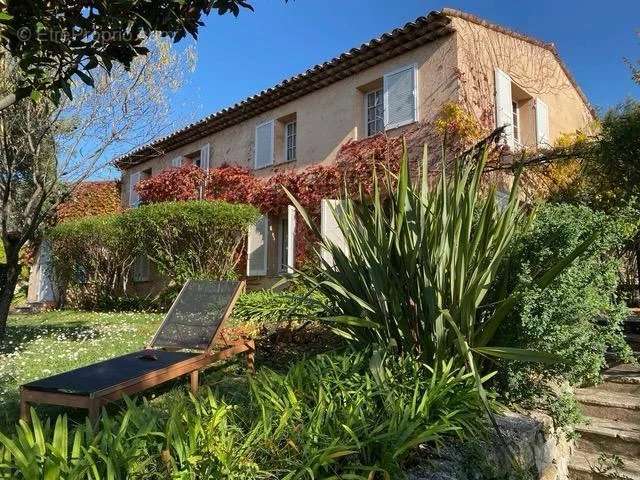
(43, 344)
(39, 345)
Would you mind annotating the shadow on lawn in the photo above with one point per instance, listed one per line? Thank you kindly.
(18, 335)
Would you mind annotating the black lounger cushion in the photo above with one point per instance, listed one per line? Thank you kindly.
(98, 376)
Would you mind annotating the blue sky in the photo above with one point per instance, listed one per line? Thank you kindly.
(241, 56)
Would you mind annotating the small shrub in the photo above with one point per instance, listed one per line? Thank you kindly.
(580, 315)
(565, 411)
(91, 258)
(268, 306)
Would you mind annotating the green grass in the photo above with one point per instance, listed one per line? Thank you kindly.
(44, 344)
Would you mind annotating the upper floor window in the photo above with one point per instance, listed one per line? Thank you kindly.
(390, 101)
(375, 112)
(290, 141)
(524, 118)
(264, 144)
(516, 122)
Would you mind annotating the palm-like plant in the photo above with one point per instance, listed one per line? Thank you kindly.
(422, 257)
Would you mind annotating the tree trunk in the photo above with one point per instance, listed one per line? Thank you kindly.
(6, 295)
(636, 287)
(7, 101)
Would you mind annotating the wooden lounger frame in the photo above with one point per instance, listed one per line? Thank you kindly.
(94, 401)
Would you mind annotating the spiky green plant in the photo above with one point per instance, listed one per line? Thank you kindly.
(355, 415)
(421, 258)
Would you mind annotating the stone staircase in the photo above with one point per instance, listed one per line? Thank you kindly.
(609, 443)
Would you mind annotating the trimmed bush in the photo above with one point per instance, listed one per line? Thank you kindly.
(93, 256)
(579, 315)
(195, 239)
(92, 259)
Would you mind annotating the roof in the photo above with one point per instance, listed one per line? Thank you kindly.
(400, 40)
(412, 35)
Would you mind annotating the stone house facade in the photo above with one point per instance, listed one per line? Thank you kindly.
(388, 84)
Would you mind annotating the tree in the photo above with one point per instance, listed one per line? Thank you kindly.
(46, 151)
(55, 42)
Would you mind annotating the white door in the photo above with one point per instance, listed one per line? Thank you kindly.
(329, 228)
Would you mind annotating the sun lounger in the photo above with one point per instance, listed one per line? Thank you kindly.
(182, 345)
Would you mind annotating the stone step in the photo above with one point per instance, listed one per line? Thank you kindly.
(633, 339)
(591, 466)
(622, 378)
(600, 435)
(616, 406)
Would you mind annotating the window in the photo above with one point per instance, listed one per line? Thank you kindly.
(400, 97)
(134, 179)
(290, 130)
(374, 112)
(542, 123)
(257, 247)
(134, 198)
(516, 122)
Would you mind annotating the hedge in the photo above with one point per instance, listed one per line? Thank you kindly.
(93, 256)
(580, 315)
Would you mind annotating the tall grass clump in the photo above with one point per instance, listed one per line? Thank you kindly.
(421, 255)
(357, 415)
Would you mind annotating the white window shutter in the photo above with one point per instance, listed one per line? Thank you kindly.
(134, 198)
(329, 227)
(264, 145)
(504, 105)
(205, 155)
(291, 238)
(542, 123)
(400, 99)
(257, 245)
(176, 162)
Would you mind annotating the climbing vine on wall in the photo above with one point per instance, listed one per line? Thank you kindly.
(91, 198)
(352, 169)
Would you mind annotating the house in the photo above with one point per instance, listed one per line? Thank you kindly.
(388, 84)
(98, 197)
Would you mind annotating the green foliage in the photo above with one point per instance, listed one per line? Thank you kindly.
(93, 257)
(269, 306)
(3, 258)
(351, 415)
(609, 176)
(49, 61)
(579, 316)
(565, 411)
(420, 264)
(195, 239)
